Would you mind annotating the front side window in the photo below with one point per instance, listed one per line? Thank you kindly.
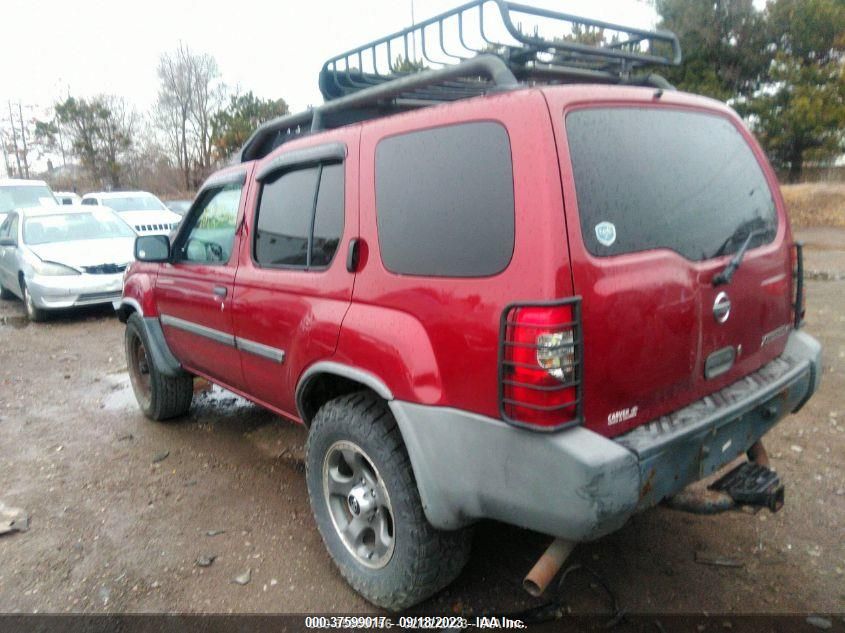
(300, 217)
(445, 201)
(213, 232)
(650, 178)
(89, 201)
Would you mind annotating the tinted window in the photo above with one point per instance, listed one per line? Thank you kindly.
(291, 204)
(328, 221)
(656, 178)
(444, 201)
(89, 201)
(284, 218)
(210, 239)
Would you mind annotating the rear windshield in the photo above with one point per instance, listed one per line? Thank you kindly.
(659, 178)
(24, 197)
(70, 227)
(134, 203)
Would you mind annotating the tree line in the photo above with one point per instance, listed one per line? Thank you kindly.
(196, 124)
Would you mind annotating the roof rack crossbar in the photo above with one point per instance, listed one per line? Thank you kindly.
(467, 77)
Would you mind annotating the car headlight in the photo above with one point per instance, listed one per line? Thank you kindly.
(52, 269)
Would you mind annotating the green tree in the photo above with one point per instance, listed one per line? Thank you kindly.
(233, 125)
(800, 114)
(100, 131)
(723, 42)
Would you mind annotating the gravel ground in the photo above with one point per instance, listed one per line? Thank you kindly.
(121, 509)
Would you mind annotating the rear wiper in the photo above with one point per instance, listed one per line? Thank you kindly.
(725, 276)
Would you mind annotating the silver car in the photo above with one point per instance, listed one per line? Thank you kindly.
(62, 257)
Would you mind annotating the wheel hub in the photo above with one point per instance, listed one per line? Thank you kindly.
(361, 500)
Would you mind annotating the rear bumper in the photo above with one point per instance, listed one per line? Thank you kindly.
(577, 484)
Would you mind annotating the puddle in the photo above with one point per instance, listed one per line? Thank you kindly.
(17, 321)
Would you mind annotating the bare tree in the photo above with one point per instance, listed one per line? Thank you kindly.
(189, 94)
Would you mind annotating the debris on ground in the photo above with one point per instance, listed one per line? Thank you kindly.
(819, 622)
(160, 457)
(12, 520)
(244, 578)
(205, 560)
(717, 561)
(215, 532)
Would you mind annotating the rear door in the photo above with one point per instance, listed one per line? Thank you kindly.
(658, 198)
(293, 287)
(194, 293)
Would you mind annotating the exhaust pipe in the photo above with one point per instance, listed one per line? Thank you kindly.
(547, 567)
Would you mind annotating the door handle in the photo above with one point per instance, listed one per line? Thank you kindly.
(220, 291)
(353, 255)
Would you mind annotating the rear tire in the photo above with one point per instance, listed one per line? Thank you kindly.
(160, 397)
(33, 312)
(376, 531)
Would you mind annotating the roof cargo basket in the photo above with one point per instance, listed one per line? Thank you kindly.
(476, 48)
(537, 45)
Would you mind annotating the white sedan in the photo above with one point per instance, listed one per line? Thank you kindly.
(63, 257)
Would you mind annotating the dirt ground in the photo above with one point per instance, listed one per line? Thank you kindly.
(121, 508)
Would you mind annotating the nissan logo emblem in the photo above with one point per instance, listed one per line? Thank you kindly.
(722, 307)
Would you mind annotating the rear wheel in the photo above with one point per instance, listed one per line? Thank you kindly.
(33, 312)
(368, 510)
(160, 397)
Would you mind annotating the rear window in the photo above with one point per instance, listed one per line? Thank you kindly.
(444, 200)
(659, 178)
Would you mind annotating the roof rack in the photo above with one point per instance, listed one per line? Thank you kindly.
(479, 47)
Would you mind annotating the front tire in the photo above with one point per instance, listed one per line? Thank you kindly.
(368, 509)
(160, 397)
(33, 312)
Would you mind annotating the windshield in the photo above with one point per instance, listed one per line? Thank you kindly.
(651, 178)
(25, 197)
(134, 203)
(69, 227)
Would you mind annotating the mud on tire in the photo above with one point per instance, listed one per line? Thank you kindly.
(420, 560)
(160, 397)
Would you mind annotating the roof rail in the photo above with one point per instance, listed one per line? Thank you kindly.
(471, 50)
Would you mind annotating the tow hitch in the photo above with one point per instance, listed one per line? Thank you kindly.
(752, 484)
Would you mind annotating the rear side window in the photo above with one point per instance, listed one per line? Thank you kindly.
(444, 200)
(300, 217)
(659, 178)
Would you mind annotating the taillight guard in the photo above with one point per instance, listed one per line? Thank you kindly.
(798, 276)
(541, 364)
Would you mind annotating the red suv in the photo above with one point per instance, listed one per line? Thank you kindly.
(530, 286)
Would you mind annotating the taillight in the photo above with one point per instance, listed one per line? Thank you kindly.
(540, 364)
(797, 259)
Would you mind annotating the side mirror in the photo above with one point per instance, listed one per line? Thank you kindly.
(8, 241)
(152, 248)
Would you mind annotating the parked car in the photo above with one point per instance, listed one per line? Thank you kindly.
(67, 197)
(549, 305)
(63, 257)
(17, 193)
(178, 206)
(141, 210)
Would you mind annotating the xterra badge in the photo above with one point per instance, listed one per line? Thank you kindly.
(606, 233)
(622, 415)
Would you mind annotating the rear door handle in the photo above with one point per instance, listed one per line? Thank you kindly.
(220, 291)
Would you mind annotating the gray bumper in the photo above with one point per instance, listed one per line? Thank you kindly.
(577, 484)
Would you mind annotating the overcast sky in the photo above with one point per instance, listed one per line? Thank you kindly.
(275, 48)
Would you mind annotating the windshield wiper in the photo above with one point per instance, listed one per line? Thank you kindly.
(725, 276)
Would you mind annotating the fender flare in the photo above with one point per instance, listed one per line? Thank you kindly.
(344, 371)
(163, 359)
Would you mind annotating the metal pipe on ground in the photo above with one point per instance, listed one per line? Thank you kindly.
(547, 567)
